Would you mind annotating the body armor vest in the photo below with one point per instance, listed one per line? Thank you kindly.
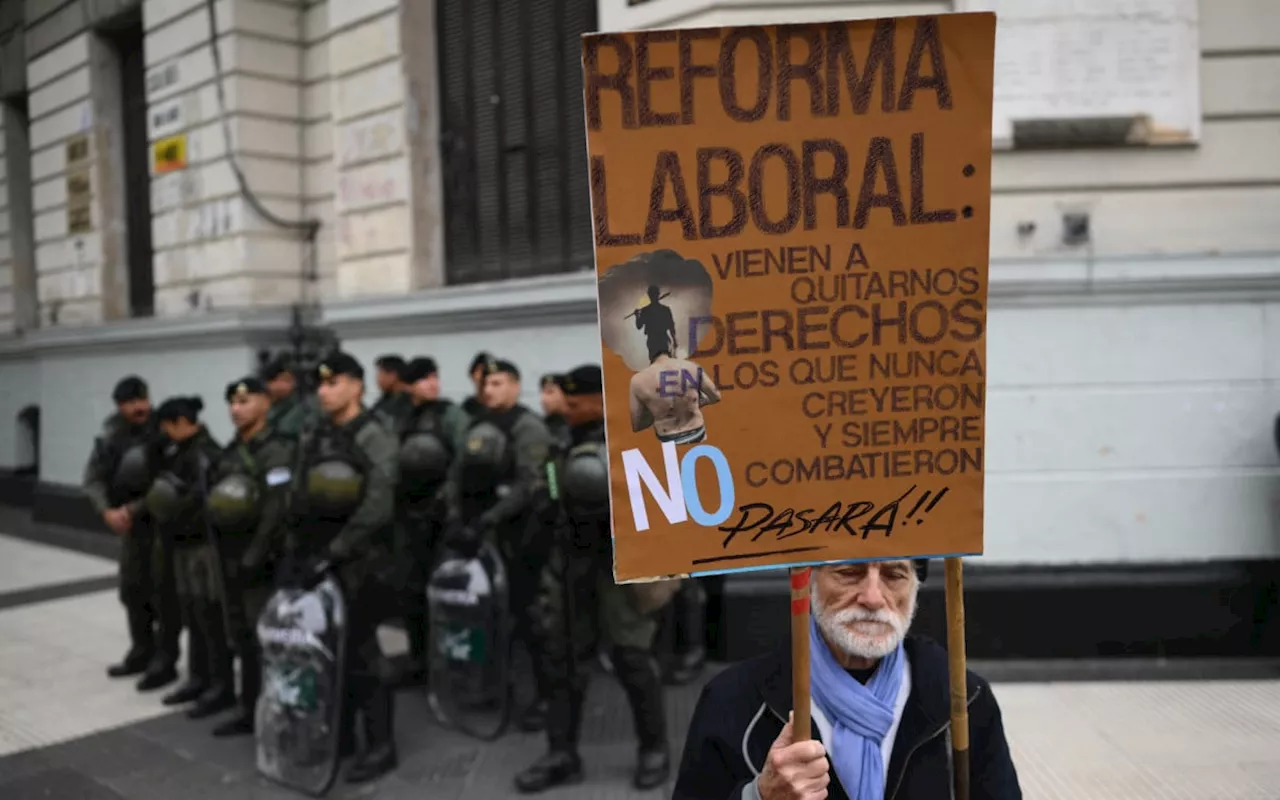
(335, 475)
(584, 482)
(425, 453)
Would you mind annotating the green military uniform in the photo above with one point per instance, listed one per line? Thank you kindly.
(473, 408)
(247, 504)
(177, 502)
(497, 490)
(559, 430)
(290, 415)
(342, 511)
(118, 473)
(497, 494)
(392, 409)
(580, 570)
(431, 435)
(580, 607)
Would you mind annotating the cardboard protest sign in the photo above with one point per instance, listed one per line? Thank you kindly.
(791, 231)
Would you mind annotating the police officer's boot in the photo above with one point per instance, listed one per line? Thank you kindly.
(561, 766)
(379, 756)
(637, 670)
(415, 668)
(142, 644)
(197, 670)
(221, 692)
(250, 686)
(161, 671)
(556, 768)
(690, 652)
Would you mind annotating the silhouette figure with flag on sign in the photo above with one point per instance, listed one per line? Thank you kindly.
(657, 322)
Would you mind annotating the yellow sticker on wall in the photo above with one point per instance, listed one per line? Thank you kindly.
(169, 154)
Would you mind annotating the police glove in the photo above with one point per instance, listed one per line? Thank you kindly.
(464, 540)
(314, 572)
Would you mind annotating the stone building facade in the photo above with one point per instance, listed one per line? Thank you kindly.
(1134, 371)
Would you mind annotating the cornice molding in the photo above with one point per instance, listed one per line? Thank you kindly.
(229, 328)
(570, 300)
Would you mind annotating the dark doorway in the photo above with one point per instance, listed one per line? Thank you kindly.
(17, 161)
(125, 37)
(28, 441)
(512, 137)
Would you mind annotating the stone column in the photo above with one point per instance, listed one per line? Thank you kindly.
(213, 249)
(386, 184)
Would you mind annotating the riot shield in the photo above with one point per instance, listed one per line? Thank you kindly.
(470, 644)
(299, 714)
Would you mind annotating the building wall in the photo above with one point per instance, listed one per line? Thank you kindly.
(1133, 382)
(214, 250)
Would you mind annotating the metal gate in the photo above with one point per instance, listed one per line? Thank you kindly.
(513, 143)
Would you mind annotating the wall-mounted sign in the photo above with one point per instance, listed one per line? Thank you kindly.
(77, 149)
(169, 154)
(79, 196)
(166, 117)
(162, 77)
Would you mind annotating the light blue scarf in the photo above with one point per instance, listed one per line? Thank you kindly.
(860, 716)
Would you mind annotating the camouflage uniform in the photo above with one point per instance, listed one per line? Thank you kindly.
(250, 545)
(147, 588)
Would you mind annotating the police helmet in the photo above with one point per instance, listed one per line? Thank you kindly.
(233, 501)
(584, 481)
(423, 458)
(164, 498)
(485, 449)
(133, 473)
(334, 489)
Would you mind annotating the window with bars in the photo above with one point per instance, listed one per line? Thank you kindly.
(513, 143)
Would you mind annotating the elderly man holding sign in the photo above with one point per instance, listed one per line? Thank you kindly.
(880, 709)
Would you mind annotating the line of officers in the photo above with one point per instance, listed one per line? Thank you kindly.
(321, 485)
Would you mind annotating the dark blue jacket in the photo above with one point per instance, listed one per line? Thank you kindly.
(743, 709)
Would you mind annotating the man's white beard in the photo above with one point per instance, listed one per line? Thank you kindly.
(869, 641)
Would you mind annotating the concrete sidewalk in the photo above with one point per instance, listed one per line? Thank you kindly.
(67, 731)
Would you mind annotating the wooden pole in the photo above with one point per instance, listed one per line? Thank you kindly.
(959, 688)
(800, 653)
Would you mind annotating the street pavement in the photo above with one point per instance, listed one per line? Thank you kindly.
(68, 732)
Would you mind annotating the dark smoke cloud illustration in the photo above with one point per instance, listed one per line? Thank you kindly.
(683, 285)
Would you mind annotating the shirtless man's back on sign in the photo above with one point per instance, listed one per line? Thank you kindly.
(669, 395)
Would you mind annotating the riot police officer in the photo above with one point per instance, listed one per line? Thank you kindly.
(246, 505)
(116, 477)
(289, 411)
(342, 513)
(579, 604)
(431, 435)
(552, 398)
(497, 492)
(176, 502)
(474, 404)
(394, 404)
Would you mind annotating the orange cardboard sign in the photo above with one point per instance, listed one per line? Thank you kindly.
(791, 232)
